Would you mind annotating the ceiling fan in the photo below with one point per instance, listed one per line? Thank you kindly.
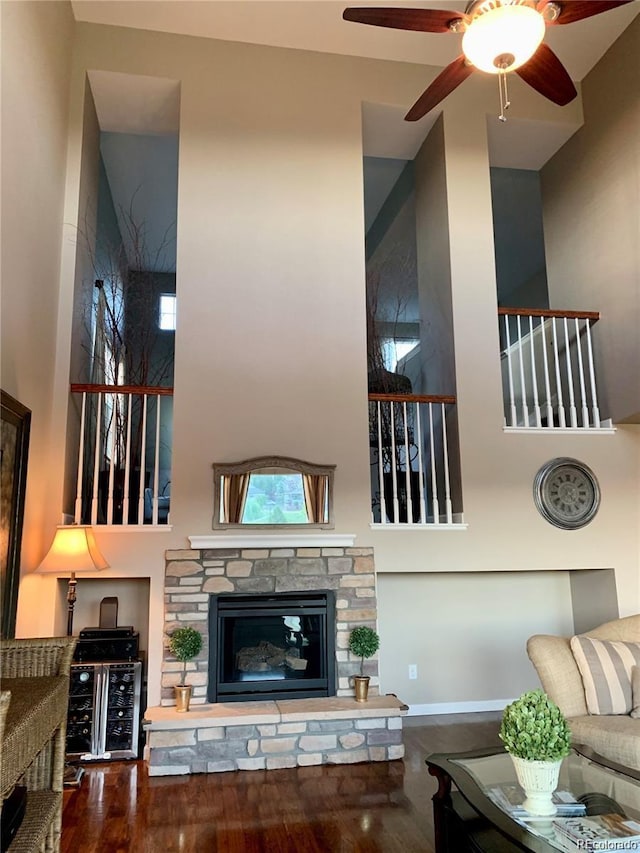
(500, 36)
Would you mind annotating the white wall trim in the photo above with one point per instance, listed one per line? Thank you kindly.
(601, 430)
(273, 540)
(458, 707)
(377, 525)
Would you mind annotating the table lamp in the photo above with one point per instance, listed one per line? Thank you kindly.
(73, 549)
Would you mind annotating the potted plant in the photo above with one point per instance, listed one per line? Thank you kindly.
(363, 642)
(537, 736)
(184, 644)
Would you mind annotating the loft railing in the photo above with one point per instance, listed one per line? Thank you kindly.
(548, 369)
(124, 454)
(412, 473)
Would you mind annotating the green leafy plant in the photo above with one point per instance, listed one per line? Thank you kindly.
(185, 644)
(363, 642)
(535, 729)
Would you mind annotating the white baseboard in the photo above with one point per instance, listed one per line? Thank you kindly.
(457, 707)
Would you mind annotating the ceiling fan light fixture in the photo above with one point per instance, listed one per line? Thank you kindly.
(504, 37)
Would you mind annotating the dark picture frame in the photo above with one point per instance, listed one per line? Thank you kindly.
(14, 451)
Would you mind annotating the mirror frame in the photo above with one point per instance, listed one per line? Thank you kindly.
(258, 463)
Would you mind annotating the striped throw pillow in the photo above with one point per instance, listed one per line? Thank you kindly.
(635, 692)
(605, 667)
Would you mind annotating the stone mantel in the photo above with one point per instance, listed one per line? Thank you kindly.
(260, 539)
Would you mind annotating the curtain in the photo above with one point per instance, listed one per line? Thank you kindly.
(234, 496)
(315, 496)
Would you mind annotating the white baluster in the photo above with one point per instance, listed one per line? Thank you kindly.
(407, 463)
(434, 484)
(445, 455)
(127, 464)
(556, 358)
(534, 375)
(547, 383)
(573, 415)
(78, 507)
(583, 390)
(156, 464)
(512, 400)
(423, 512)
(112, 453)
(96, 462)
(523, 387)
(592, 378)
(394, 477)
(143, 460)
(383, 503)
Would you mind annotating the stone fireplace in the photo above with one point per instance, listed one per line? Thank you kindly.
(193, 576)
(267, 728)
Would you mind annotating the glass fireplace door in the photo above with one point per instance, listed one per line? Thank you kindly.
(271, 646)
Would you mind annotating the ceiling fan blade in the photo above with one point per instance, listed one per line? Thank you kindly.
(448, 80)
(546, 74)
(424, 20)
(576, 10)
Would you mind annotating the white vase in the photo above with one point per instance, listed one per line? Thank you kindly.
(538, 779)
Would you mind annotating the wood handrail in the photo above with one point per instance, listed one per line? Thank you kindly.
(122, 389)
(411, 398)
(548, 312)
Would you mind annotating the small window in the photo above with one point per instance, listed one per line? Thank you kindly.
(167, 319)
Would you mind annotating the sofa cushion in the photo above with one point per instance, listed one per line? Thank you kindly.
(616, 738)
(605, 668)
(635, 692)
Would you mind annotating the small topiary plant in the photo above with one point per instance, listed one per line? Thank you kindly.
(185, 644)
(535, 729)
(363, 642)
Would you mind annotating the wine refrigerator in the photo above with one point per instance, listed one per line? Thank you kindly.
(104, 710)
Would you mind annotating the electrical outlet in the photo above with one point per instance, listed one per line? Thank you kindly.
(413, 671)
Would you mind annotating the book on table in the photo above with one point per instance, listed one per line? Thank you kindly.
(510, 797)
(591, 832)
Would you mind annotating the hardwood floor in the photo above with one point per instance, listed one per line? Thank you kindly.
(362, 808)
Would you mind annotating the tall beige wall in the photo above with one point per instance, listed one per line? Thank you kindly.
(37, 42)
(591, 201)
(270, 345)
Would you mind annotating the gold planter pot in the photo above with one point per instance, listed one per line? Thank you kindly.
(183, 696)
(361, 683)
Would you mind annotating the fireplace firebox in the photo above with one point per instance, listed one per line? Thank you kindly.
(271, 646)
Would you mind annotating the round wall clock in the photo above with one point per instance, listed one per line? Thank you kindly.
(566, 493)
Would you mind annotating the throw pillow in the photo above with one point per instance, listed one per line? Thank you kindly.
(635, 692)
(605, 667)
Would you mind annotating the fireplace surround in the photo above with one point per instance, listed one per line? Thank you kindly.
(192, 576)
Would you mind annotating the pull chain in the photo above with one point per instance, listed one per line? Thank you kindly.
(505, 103)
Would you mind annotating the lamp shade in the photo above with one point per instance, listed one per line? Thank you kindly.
(73, 549)
(503, 38)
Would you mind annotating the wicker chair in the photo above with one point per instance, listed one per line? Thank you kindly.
(35, 675)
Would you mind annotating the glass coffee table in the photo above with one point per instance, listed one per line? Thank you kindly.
(468, 817)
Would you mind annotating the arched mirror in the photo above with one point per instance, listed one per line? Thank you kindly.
(272, 491)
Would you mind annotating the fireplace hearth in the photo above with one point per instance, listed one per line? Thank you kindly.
(271, 646)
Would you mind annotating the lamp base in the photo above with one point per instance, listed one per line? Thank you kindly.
(73, 775)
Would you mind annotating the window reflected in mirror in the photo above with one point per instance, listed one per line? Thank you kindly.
(273, 491)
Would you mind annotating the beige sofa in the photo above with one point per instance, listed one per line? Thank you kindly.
(614, 737)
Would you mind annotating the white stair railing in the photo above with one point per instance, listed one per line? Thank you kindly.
(548, 369)
(119, 472)
(409, 436)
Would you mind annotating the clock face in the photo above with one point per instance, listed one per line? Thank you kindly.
(566, 493)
